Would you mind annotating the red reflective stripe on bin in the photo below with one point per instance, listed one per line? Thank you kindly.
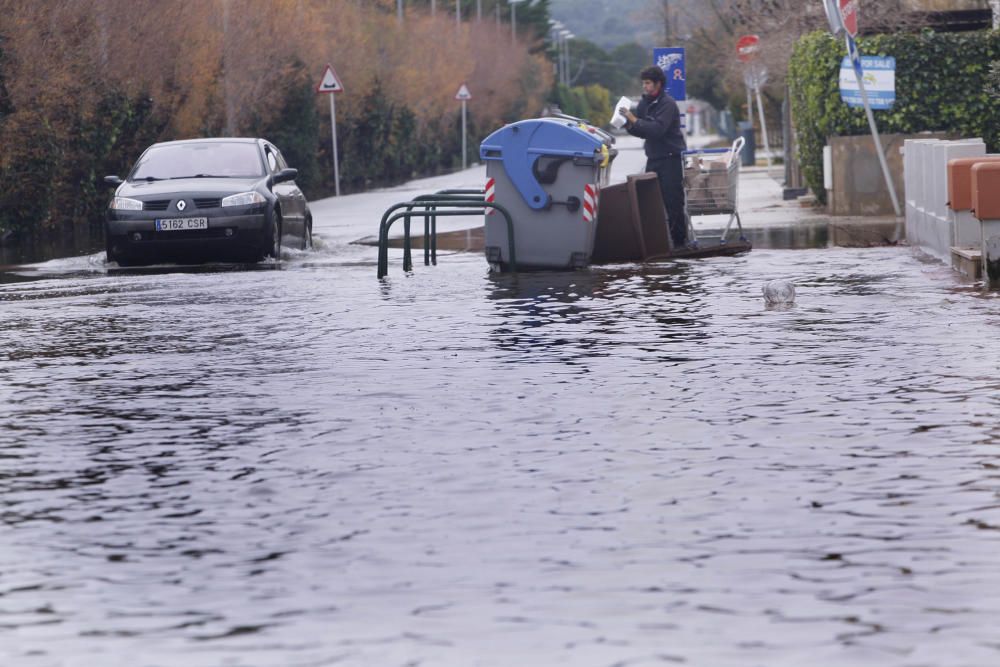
(491, 195)
(589, 202)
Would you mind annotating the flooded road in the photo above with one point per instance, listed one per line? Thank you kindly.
(624, 466)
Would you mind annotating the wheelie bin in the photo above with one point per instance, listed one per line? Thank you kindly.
(547, 173)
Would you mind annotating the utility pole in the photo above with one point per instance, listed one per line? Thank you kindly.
(226, 79)
(513, 19)
(569, 79)
(399, 11)
(668, 32)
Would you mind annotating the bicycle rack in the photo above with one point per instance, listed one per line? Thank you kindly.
(464, 202)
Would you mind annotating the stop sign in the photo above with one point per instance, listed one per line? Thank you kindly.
(746, 47)
(849, 15)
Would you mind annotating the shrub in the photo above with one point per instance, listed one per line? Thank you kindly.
(294, 127)
(591, 103)
(942, 84)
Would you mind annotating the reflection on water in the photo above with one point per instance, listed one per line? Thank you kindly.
(632, 465)
(62, 241)
(800, 236)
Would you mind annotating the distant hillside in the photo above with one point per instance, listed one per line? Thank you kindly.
(609, 23)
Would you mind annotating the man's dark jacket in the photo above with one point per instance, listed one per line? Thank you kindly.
(658, 121)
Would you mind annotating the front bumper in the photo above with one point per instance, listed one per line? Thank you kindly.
(132, 235)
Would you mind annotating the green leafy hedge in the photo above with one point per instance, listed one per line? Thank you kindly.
(942, 84)
(591, 103)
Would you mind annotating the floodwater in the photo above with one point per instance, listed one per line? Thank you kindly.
(626, 466)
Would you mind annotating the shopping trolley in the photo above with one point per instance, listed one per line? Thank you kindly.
(711, 185)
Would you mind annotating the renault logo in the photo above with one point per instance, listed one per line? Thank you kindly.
(181, 205)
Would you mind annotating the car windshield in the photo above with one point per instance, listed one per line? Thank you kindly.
(209, 159)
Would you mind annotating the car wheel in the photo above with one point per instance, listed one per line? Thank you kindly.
(109, 252)
(272, 244)
(307, 235)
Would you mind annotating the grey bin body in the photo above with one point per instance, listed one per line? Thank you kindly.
(547, 173)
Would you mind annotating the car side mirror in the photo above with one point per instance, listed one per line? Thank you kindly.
(287, 174)
(113, 181)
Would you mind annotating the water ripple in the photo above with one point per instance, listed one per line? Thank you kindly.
(633, 465)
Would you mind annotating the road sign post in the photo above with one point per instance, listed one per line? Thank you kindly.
(754, 76)
(746, 49)
(330, 84)
(847, 12)
(759, 79)
(463, 95)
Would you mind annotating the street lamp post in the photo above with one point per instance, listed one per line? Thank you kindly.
(567, 35)
(399, 11)
(562, 60)
(555, 27)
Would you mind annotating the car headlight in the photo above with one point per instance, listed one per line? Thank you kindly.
(244, 199)
(125, 204)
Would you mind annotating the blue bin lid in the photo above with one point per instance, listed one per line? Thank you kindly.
(519, 146)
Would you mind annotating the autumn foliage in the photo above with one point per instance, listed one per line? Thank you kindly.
(86, 85)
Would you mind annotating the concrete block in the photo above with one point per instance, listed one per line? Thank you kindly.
(930, 223)
(922, 185)
(859, 187)
(991, 253)
(967, 261)
(944, 154)
(967, 233)
(937, 193)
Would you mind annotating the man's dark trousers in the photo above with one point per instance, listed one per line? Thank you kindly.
(670, 173)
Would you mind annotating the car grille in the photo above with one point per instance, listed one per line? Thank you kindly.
(211, 233)
(208, 203)
(156, 205)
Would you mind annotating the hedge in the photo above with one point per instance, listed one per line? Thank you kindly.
(942, 84)
(591, 103)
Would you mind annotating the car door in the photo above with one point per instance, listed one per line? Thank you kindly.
(291, 219)
(297, 195)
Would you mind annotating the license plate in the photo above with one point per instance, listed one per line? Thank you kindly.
(178, 224)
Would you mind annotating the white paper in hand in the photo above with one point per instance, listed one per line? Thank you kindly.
(618, 120)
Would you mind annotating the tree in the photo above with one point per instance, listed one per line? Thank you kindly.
(72, 107)
(5, 104)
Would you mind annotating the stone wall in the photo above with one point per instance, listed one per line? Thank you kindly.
(858, 185)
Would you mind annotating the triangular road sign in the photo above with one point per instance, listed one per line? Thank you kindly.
(330, 83)
(463, 94)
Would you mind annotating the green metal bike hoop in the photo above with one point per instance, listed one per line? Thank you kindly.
(430, 222)
(430, 207)
(461, 192)
(407, 215)
(431, 248)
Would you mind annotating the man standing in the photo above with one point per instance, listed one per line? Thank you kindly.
(658, 120)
